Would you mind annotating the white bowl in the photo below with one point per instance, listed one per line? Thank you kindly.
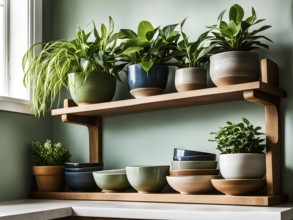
(184, 165)
(192, 184)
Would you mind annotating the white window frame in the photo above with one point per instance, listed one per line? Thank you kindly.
(35, 35)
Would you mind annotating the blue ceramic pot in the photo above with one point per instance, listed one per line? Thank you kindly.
(142, 84)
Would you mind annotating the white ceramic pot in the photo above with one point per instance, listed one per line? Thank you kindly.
(190, 78)
(234, 67)
(242, 165)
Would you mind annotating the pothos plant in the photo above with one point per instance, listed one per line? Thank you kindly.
(236, 33)
(149, 45)
(46, 72)
(49, 154)
(240, 137)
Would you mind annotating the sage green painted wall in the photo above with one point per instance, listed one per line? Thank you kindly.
(148, 138)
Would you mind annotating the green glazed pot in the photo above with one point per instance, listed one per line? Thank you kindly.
(98, 87)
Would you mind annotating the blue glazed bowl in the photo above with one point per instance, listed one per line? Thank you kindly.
(84, 169)
(81, 165)
(81, 181)
(143, 84)
(195, 158)
(179, 152)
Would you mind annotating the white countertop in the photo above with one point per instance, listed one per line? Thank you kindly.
(35, 209)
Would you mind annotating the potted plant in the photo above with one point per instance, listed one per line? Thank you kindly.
(241, 150)
(191, 60)
(148, 51)
(235, 63)
(49, 169)
(87, 67)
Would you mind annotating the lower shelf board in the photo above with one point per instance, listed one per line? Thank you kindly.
(164, 197)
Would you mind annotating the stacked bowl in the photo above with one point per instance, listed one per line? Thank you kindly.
(191, 171)
(79, 176)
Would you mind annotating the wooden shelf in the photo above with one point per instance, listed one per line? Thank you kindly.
(165, 197)
(173, 100)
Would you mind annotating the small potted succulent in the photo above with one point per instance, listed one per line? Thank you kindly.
(88, 67)
(241, 150)
(49, 160)
(191, 60)
(234, 62)
(148, 52)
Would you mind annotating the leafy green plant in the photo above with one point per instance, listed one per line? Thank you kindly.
(46, 73)
(193, 54)
(49, 154)
(149, 45)
(235, 34)
(240, 137)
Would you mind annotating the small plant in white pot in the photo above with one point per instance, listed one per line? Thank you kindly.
(192, 59)
(234, 62)
(241, 150)
(49, 160)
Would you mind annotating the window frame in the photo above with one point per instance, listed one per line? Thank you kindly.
(34, 35)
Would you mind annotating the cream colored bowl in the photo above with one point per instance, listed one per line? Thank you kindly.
(192, 184)
(184, 165)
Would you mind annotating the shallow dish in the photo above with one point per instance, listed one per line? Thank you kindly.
(80, 181)
(191, 184)
(79, 165)
(184, 165)
(192, 172)
(179, 152)
(238, 186)
(195, 158)
(83, 169)
(147, 179)
(112, 180)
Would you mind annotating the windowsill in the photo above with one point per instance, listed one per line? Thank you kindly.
(15, 105)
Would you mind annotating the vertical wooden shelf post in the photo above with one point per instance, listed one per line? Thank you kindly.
(94, 129)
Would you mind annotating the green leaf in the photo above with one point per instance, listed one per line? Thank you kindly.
(147, 65)
(236, 13)
(143, 28)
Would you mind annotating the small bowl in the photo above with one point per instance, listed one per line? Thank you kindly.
(192, 172)
(238, 186)
(112, 180)
(80, 181)
(184, 165)
(179, 152)
(195, 158)
(81, 165)
(191, 184)
(84, 169)
(147, 179)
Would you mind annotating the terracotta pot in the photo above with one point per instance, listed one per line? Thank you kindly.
(234, 67)
(49, 178)
(190, 78)
(242, 165)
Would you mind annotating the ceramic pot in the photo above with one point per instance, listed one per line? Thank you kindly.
(98, 87)
(49, 178)
(242, 165)
(143, 84)
(234, 67)
(190, 78)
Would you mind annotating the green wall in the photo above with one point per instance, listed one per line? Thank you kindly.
(148, 138)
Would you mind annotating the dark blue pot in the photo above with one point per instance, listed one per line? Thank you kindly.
(143, 84)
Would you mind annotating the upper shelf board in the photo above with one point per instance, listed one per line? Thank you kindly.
(172, 100)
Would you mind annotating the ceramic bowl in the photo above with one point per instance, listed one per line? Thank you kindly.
(195, 158)
(147, 179)
(112, 180)
(81, 165)
(192, 172)
(179, 152)
(80, 181)
(84, 169)
(191, 184)
(184, 165)
(238, 187)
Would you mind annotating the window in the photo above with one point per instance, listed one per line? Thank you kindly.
(20, 26)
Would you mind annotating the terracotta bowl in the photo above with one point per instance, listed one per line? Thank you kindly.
(192, 172)
(191, 184)
(238, 186)
(183, 165)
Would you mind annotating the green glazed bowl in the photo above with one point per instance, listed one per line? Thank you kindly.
(112, 180)
(184, 165)
(147, 179)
